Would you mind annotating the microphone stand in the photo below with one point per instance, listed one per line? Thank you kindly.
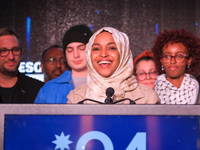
(109, 93)
(81, 102)
(131, 101)
(107, 101)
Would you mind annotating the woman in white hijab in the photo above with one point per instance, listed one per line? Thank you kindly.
(110, 64)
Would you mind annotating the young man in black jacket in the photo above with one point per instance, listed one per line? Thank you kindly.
(14, 86)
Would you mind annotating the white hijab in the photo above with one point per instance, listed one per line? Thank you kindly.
(122, 80)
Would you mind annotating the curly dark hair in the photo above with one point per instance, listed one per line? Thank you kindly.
(189, 40)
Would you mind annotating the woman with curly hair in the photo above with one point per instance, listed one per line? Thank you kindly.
(177, 58)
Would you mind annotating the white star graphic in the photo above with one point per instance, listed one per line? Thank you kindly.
(62, 141)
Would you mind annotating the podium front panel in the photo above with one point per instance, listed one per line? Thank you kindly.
(80, 129)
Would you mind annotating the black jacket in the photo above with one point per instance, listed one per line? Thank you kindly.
(26, 89)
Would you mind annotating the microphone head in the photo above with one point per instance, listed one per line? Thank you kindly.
(110, 92)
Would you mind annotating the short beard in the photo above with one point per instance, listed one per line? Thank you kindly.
(10, 73)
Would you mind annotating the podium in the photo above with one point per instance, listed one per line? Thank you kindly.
(99, 127)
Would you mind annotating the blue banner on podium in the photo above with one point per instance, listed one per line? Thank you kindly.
(100, 132)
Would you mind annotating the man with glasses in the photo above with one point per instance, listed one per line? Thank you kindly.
(74, 43)
(53, 62)
(14, 86)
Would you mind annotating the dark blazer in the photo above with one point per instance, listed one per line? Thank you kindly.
(26, 89)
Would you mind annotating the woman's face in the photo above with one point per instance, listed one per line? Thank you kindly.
(105, 55)
(146, 73)
(175, 68)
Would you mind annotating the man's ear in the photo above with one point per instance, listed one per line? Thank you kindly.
(42, 66)
(189, 61)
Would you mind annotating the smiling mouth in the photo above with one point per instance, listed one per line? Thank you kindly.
(11, 63)
(104, 62)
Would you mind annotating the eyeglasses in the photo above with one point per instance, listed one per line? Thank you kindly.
(143, 75)
(15, 51)
(54, 61)
(178, 57)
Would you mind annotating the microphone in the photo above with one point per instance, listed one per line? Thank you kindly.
(109, 93)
